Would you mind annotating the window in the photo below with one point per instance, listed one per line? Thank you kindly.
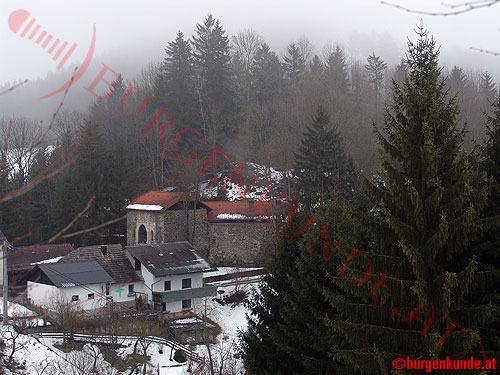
(186, 283)
(168, 285)
(108, 286)
(255, 245)
(143, 234)
(91, 295)
(137, 265)
(130, 290)
(74, 298)
(186, 304)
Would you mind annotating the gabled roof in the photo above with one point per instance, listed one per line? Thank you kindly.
(65, 275)
(115, 262)
(173, 258)
(241, 210)
(25, 257)
(156, 201)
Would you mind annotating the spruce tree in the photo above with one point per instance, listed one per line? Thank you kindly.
(336, 71)
(303, 334)
(263, 354)
(266, 75)
(321, 162)
(375, 68)
(425, 213)
(488, 247)
(487, 89)
(212, 63)
(294, 65)
(175, 85)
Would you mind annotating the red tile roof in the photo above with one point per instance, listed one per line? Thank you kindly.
(165, 199)
(241, 210)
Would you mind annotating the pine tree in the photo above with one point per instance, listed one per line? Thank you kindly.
(487, 88)
(262, 353)
(487, 248)
(212, 63)
(457, 80)
(316, 67)
(336, 71)
(294, 65)
(375, 68)
(175, 87)
(303, 334)
(321, 163)
(266, 74)
(424, 215)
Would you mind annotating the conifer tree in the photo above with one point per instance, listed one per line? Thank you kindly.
(262, 352)
(488, 247)
(336, 71)
(321, 163)
(425, 213)
(303, 334)
(294, 65)
(175, 84)
(487, 88)
(266, 74)
(212, 63)
(375, 68)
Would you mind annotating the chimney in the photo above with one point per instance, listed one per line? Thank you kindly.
(104, 250)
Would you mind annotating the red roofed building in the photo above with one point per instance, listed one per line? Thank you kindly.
(227, 233)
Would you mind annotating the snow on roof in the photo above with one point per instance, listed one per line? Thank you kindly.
(52, 260)
(156, 200)
(144, 207)
(242, 210)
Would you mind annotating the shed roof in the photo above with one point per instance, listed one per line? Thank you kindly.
(65, 275)
(115, 262)
(173, 258)
(156, 201)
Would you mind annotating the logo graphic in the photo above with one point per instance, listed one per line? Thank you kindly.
(18, 18)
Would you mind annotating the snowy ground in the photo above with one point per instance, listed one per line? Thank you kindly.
(34, 353)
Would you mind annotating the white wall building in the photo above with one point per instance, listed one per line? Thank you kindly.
(167, 276)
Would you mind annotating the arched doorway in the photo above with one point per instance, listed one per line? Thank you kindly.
(142, 235)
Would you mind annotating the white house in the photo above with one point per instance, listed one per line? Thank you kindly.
(82, 283)
(166, 276)
(172, 274)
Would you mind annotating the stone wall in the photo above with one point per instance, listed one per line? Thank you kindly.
(152, 221)
(240, 244)
(237, 244)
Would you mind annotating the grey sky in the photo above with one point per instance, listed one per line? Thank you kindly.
(132, 33)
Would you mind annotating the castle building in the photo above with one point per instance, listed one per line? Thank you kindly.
(227, 233)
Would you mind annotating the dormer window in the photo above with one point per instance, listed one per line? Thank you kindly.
(137, 264)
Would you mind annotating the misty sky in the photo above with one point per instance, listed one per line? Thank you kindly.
(132, 33)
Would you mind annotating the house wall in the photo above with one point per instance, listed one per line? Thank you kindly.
(157, 284)
(49, 296)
